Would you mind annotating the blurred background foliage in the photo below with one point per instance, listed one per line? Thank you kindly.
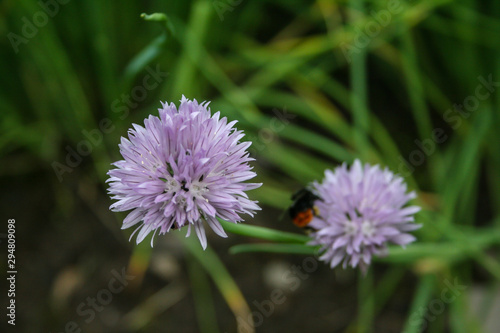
(313, 84)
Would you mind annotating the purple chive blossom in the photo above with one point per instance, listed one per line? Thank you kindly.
(361, 210)
(185, 168)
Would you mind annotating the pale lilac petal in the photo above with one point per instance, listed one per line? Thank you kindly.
(200, 232)
(216, 227)
(361, 210)
(182, 169)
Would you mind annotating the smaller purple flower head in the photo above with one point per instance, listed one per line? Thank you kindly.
(185, 168)
(361, 210)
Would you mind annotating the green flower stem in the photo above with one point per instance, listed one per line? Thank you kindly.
(474, 247)
(422, 297)
(447, 252)
(451, 251)
(203, 300)
(274, 248)
(209, 260)
(383, 291)
(461, 247)
(366, 303)
(143, 58)
(443, 251)
(263, 233)
(151, 51)
(161, 18)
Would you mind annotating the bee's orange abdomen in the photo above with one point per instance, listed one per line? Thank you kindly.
(303, 218)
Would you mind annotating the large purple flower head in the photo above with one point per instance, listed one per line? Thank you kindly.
(361, 210)
(185, 168)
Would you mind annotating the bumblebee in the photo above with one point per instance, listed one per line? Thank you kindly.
(303, 209)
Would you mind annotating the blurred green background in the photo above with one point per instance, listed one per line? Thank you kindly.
(411, 85)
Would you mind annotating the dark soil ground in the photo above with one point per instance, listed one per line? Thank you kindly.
(68, 244)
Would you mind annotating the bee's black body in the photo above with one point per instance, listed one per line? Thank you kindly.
(302, 210)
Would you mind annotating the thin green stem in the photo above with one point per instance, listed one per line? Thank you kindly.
(161, 18)
(209, 260)
(203, 300)
(274, 248)
(423, 295)
(263, 233)
(366, 302)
